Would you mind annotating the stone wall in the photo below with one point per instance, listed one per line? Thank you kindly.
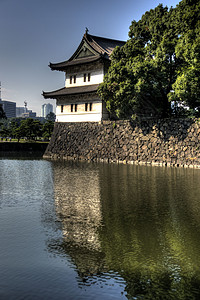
(169, 142)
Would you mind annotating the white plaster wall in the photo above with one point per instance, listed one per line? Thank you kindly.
(95, 78)
(81, 115)
(87, 117)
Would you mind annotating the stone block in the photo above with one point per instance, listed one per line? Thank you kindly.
(126, 143)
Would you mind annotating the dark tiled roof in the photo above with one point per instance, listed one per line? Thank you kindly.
(62, 66)
(101, 44)
(71, 91)
(102, 48)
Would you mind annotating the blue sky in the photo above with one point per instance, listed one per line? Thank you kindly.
(34, 33)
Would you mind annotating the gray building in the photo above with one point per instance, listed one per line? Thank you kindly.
(29, 114)
(9, 108)
(46, 109)
(20, 111)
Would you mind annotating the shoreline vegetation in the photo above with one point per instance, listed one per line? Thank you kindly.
(8, 140)
(22, 148)
(19, 129)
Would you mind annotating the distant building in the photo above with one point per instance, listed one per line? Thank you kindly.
(20, 111)
(46, 109)
(29, 114)
(2, 114)
(24, 112)
(9, 108)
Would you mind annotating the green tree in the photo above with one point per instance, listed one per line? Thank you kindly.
(51, 117)
(19, 133)
(186, 88)
(4, 132)
(2, 113)
(147, 72)
(47, 129)
(31, 128)
(13, 126)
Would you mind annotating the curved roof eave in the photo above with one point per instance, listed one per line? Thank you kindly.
(101, 47)
(86, 60)
(71, 91)
(61, 65)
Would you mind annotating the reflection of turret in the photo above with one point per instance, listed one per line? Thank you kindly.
(77, 201)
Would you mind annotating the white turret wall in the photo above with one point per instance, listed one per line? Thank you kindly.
(81, 115)
(96, 77)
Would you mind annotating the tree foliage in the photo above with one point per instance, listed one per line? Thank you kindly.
(2, 113)
(51, 117)
(29, 129)
(158, 64)
(47, 129)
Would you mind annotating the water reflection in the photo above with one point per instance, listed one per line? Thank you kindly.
(78, 208)
(77, 200)
(141, 223)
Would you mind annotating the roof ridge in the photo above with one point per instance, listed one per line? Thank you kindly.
(105, 38)
(104, 50)
(101, 46)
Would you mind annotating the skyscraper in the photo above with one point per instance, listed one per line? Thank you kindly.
(9, 108)
(46, 109)
(20, 111)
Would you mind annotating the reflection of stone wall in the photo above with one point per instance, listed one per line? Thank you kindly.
(138, 222)
(165, 142)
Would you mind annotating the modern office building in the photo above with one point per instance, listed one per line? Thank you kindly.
(20, 111)
(24, 112)
(9, 108)
(46, 109)
(29, 114)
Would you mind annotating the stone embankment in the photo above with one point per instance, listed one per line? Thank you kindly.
(168, 142)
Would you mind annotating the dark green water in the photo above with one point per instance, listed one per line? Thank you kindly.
(97, 231)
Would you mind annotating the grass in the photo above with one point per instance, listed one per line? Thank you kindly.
(21, 141)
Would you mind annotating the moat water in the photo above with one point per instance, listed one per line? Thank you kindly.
(71, 230)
